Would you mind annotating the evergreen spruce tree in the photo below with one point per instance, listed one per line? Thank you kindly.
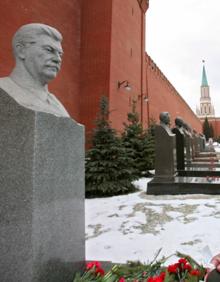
(149, 147)
(139, 144)
(211, 130)
(207, 129)
(132, 139)
(107, 164)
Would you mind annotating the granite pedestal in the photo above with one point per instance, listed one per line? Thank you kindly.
(180, 148)
(200, 172)
(207, 160)
(197, 144)
(185, 185)
(42, 222)
(203, 164)
(198, 178)
(165, 153)
(188, 146)
(202, 143)
(207, 154)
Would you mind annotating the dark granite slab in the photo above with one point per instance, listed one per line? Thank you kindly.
(208, 165)
(165, 152)
(205, 159)
(199, 172)
(207, 154)
(185, 185)
(180, 140)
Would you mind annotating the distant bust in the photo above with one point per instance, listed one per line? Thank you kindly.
(38, 55)
(179, 122)
(164, 119)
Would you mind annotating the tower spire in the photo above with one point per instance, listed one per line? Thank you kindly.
(204, 76)
(206, 107)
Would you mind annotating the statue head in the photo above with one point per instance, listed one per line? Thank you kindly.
(187, 127)
(179, 122)
(164, 118)
(38, 51)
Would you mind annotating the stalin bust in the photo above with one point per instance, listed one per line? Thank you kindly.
(38, 55)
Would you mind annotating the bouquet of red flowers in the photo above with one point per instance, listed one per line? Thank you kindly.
(185, 269)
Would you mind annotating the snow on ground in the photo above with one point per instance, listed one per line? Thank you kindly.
(136, 226)
(217, 147)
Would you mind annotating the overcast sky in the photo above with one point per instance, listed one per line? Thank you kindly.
(179, 35)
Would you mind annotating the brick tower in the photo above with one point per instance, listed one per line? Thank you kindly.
(206, 108)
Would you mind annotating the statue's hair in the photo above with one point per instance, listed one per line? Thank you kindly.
(162, 115)
(28, 34)
(179, 121)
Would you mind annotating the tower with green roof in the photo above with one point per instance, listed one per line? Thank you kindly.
(206, 108)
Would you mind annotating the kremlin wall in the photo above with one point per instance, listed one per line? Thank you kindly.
(104, 45)
(164, 97)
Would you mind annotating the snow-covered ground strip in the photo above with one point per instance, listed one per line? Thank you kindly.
(135, 226)
(217, 147)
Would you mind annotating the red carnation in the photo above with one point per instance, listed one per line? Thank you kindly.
(91, 264)
(159, 278)
(162, 275)
(183, 261)
(187, 267)
(172, 268)
(195, 272)
(122, 279)
(100, 271)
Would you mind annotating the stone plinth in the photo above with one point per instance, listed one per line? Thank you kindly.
(189, 146)
(200, 172)
(165, 152)
(197, 144)
(180, 148)
(202, 143)
(185, 185)
(42, 195)
(209, 165)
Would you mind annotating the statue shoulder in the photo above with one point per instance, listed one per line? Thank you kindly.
(4, 81)
(6, 84)
(58, 104)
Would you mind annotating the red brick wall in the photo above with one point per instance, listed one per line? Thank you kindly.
(103, 44)
(216, 126)
(95, 58)
(127, 59)
(112, 50)
(163, 97)
(64, 15)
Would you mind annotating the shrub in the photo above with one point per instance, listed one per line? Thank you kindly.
(108, 169)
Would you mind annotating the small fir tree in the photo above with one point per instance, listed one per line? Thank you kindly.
(139, 144)
(149, 146)
(207, 129)
(132, 139)
(107, 164)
